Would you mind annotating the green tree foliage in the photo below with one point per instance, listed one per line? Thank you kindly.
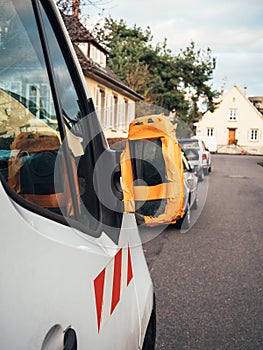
(174, 82)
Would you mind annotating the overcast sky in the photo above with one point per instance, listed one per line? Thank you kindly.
(232, 29)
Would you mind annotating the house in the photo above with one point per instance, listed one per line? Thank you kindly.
(114, 101)
(236, 124)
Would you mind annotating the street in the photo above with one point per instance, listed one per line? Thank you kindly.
(209, 280)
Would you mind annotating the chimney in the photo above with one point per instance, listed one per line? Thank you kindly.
(75, 8)
(245, 90)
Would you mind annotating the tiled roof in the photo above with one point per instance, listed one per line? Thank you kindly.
(78, 33)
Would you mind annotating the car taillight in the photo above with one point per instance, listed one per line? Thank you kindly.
(204, 156)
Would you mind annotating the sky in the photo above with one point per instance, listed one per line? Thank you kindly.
(232, 29)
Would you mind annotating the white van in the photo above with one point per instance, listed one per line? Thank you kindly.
(73, 273)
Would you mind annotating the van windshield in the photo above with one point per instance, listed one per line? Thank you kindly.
(30, 129)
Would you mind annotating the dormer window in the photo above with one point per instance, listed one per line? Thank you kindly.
(84, 48)
(97, 56)
(94, 53)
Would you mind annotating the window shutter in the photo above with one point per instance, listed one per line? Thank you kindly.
(108, 110)
(121, 115)
(131, 111)
(248, 134)
(97, 101)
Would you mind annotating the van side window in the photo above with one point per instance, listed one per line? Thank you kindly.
(65, 87)
(88, 201)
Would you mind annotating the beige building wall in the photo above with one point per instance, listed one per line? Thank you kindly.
(114, 110)
(236, 122)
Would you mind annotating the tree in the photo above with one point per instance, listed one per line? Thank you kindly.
(175, 82)
(195, 70)
(127, 51)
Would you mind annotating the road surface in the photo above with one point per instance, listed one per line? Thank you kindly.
(209, 280)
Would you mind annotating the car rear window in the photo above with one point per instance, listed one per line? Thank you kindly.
(189, 144)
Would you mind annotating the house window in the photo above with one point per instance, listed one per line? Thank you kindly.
(210, 131)
(108, 110)
(3, 34)
(115, 112)
(232, 114)
(102, 60)
(39, 100)
(84, 48)
(126, 115)
(97, 56)
(254, 135)
(100, 101)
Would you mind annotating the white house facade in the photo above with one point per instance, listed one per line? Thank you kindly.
(236, 124)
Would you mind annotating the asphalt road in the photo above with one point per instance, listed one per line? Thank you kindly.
(209, 280)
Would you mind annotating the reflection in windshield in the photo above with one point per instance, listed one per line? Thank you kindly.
(29, 137)
(22, 70)
(65, 87)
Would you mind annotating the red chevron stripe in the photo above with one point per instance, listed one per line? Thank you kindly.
(99, 289)
(116, 288)
(129, 270)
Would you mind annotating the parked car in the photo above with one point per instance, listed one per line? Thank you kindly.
(206, 156)
(158, 182)
(210, 143)
(190, 194)
(198, 156)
